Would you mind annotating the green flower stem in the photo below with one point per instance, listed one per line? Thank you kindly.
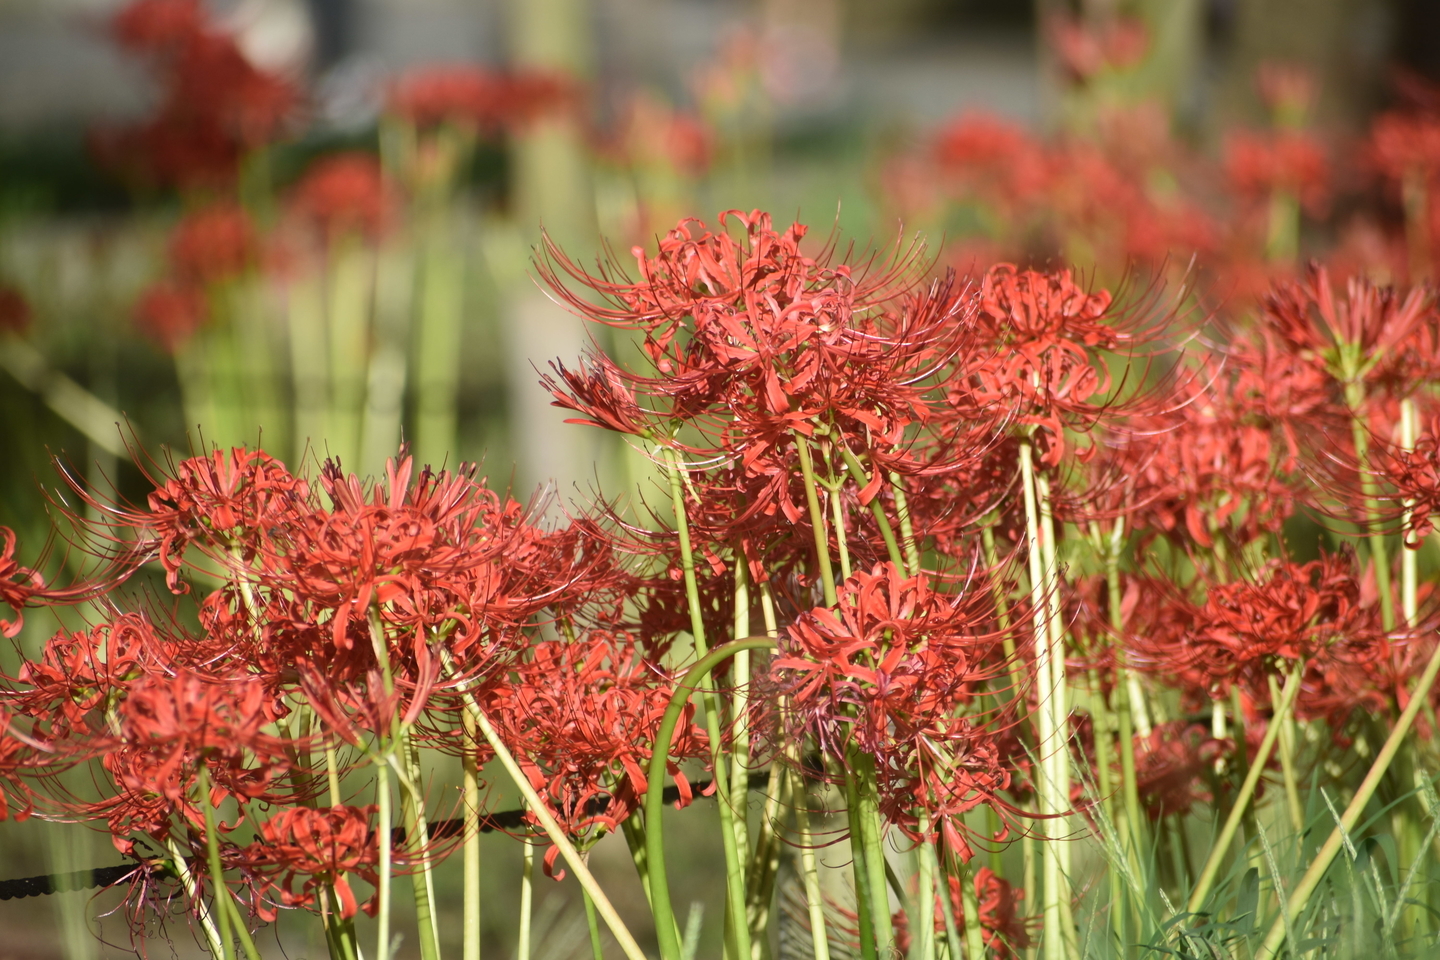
(923, 922)
(865, 916)
(417, 833)
(1308, 883)
(1050, 747)
(970, 905)
(597, 949)
(907, 528)
(837, 515)
(527, 902)
(471, 852)
(739, 714)
(1379, 554)
(809, 869)
(947, 912)
(1282, 240)
(351, 276)
(384, 817)
(872, 837)
(817, 521)
(553, 830)
(225, 908)
(1131, 705)
(862, 479)
(734, 867)
(412, 803)
(438, 336)
(309, 373)
(765, 863)
(1221, 846)
(192, 890)
(1287, 762)
(665, 925)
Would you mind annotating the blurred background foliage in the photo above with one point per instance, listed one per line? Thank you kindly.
(309, 224)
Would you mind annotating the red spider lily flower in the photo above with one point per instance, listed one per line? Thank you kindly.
(1415, 475)
(15, 755)
(986, 157)
(1259, 165)
(478, 99)
(167, 726)
(1287, 90)
(17, 583)
(1171, 766)
(170, 314)
(1372, 333)
(342, 194)
(1211, 467)
(753, 342)
(214, 105)
(1085, 51)
(319, 845)
(1246, 631)
(887, 671)
(214, 244)
(1404, 146)
(1041, 368)
(581, 718)
(1005, 932)
(78, 675)
(15, 313)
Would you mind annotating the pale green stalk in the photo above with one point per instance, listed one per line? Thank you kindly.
(527, 902)
(765, 863)
(1287, 763)
(1054, 935)
(1360, 434)
(947, 914)
(907, 529)
(865, 915)
(734, 868)
(1323, 858)
(873, 837)
(924, 915)
(225, 908)
(837, 514)
(384, 868)
(817, 521)
(597, 949)
(308, 368)
(412, 803)
(739, 714)
(1282, 240)
(417, 835)
(862, 480)
(1221, 846)
(809, 870)
(192, 890)
(386, 375)
(665, 925)
(1059, 701)
(437, 338)
(471, 854)
(970, 906)
(555, 832)
(348, 309)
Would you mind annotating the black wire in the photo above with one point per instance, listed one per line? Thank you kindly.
(23, 887)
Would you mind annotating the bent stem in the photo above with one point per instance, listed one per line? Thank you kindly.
(553, 830)
(1221, 845)
(665, 925)
(1326, 855)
